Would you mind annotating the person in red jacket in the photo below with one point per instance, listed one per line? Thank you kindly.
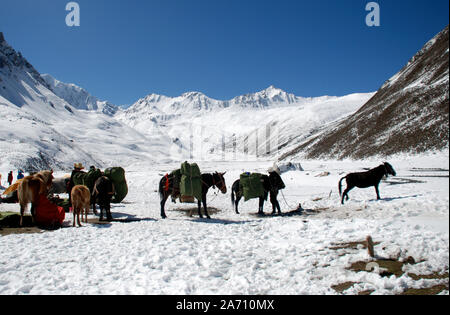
(10, 178)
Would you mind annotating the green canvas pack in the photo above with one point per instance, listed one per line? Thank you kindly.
(87, 179)
(251, 185)
(117, 176)
(191, 181)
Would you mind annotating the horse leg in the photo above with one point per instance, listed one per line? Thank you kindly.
(163, 202)
(74, 216)
(78, 216)
(236, 203)
(22, 210)
(32, 211)
(200, 209)
(206, 208)
(108, 211)
(261, 206)
(83, 215)
(100, 206)
(345, 194)
(378, 192)
(94, 208)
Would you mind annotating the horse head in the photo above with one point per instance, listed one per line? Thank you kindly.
(389, 169)
(46, 177)
(220, 182)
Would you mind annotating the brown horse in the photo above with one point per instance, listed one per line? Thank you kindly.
(30, 188)
(81, 201)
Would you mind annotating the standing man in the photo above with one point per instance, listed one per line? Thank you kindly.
(10, 178)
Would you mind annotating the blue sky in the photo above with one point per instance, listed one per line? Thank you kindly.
(124, 50)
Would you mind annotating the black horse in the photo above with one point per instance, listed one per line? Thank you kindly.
(366, 179)
(272, 184)
(102, 194)
(167, 187)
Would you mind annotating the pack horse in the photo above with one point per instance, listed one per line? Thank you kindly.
(268, 184)
(171, 185)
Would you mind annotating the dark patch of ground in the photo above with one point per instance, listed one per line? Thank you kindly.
(388, 268)
(191, 211)
(9, 224)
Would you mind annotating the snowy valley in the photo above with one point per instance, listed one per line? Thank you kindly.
(318, 248)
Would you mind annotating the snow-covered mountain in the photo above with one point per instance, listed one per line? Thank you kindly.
(48, 123)
(409, 114)
(269, 97)
(39, 130)
(244, 126)
(79, 97)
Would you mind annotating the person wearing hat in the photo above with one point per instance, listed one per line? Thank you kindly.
(276, 183)
(77, 168)
(20, 175)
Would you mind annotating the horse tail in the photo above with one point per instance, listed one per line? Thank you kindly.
(163, 186)
(160, 189)
(340, 185)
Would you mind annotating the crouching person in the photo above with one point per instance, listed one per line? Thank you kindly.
(47, 214)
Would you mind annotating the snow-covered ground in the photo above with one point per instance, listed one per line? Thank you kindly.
(245, 254)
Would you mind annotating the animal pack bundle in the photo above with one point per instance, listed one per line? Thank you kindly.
(251, 185)
(191, 181)
(117, 176)
(87, 179)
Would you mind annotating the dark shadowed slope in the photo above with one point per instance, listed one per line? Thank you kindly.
(410, 113)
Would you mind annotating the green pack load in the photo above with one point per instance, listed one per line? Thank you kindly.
(87, 179)
(251, 185)
(191, 181)
(117, 175)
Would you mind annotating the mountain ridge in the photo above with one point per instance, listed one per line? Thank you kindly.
(408, 114)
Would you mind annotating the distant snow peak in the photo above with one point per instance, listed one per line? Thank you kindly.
(198, 101)
(272, 91)
(194, 94)
(78, 97)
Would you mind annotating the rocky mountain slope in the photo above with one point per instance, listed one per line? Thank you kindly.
(409, 114)
(46, 123)
(39, 130)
